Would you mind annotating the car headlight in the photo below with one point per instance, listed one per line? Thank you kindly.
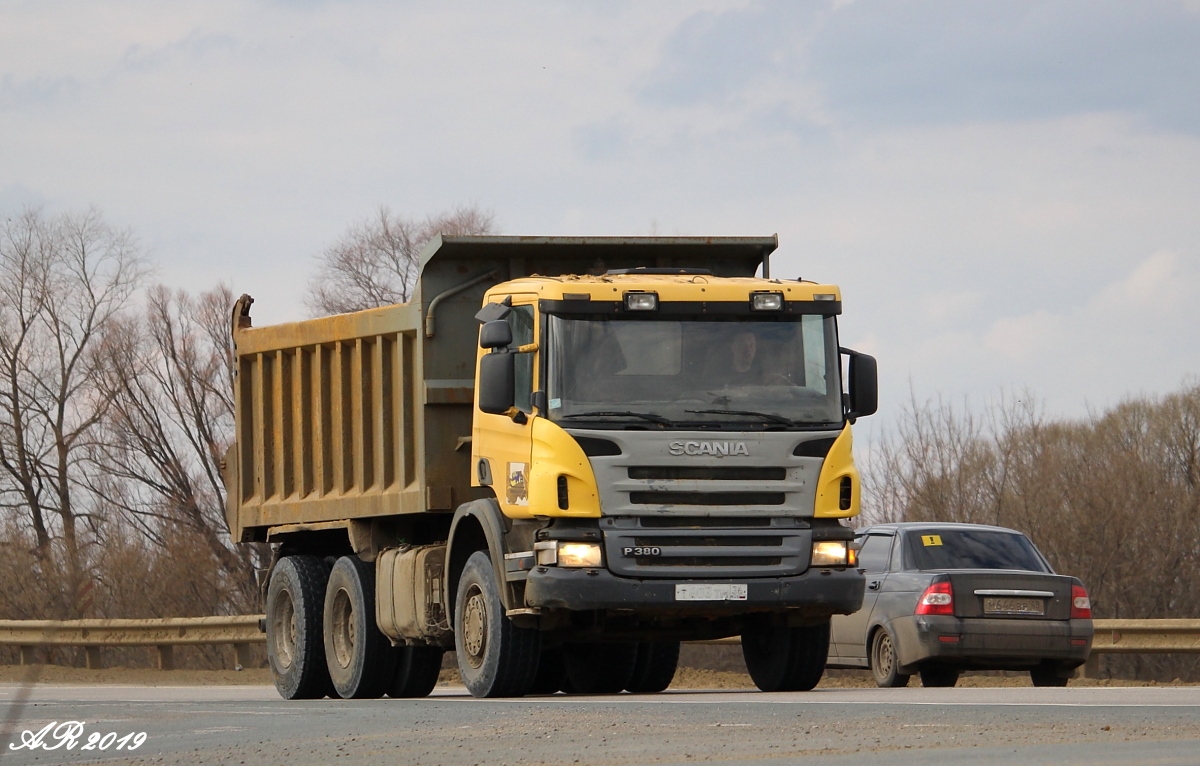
(579, 555)
(831, 553)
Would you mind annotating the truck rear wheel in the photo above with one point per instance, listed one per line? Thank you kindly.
(295, 645)
(360, 658)
(495, 657)
(599, 668)
(784, 659)
(417, 670)
(655, 667)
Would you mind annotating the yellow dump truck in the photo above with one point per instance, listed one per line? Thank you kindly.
(561, 458)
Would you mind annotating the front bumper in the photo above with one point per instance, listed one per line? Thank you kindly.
(815, 593)
(991, 643)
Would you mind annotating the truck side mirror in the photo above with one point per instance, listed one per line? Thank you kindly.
(497, 381)
(864, 384)
(495, 334)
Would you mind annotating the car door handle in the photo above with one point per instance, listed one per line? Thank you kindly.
(874, 584)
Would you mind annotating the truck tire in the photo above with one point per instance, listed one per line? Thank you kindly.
(552, 672)
(784, 659)
(654, 668)
(417, 670)
(884, 665)
(495, 657)
(599, 668)
(361, 660)
(295, 644)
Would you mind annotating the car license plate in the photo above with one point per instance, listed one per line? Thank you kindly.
(1014, 606)
(710, 592)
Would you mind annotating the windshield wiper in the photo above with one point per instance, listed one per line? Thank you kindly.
(765, 415)
(620, 414)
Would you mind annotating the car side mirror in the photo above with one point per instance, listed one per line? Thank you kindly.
(863, 384)
(497, 381)
(495, 334)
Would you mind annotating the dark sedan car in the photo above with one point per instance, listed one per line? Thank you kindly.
(943, 598)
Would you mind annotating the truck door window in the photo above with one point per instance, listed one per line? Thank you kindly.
(520, 319)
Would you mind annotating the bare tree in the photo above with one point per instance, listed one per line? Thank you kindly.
(375, 262)
(63, 281)
(168, 427)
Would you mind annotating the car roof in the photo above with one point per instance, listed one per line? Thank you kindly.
(915, 526)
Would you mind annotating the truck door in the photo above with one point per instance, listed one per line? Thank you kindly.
(503, 442)
(849, 632)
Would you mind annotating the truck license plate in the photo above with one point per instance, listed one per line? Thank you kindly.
(1013, 606)
(710, 592)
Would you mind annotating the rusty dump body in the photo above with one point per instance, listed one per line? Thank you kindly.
(358, 420)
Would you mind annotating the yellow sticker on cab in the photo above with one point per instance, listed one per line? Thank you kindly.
(930, 540)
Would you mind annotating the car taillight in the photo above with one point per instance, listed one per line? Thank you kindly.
(937, 599)
(1081, 605)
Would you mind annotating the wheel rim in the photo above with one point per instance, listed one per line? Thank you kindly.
(343, 628)
(885, 659)
(474, 626)
(283, 629)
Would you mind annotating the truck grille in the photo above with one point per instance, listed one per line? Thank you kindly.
(701, 547)
(707, 498)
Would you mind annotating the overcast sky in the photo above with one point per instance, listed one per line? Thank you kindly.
(1007, 192)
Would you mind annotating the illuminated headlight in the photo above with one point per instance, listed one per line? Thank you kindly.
(578, 555)
(831, 553)
(766, 301)
(641, 301)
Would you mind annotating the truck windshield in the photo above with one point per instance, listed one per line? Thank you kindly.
(739, 372)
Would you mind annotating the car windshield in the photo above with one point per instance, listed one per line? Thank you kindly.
(973, 549)
(736, 372)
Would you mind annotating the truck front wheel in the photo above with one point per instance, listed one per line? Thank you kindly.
(784, 659)
(655, 667)
(361, 660)
(600, 668)
(495, 657)
(295, 647)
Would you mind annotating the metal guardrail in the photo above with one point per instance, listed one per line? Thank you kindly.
(1111, 636)
(163, 634)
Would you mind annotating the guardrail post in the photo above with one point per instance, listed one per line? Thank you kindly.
(1091, 668)
(241, 653)
(28, 655)
(93, 657)
(166, 657)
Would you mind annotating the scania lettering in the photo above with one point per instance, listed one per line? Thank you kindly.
(561, 458)
(718, 449)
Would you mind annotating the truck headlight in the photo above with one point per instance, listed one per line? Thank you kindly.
(579, 555)
(641, 301)
(830, 553)
(766, 301)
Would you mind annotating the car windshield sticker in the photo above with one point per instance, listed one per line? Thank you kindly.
(928, 540)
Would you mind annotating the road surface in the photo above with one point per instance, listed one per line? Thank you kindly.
(899, 727)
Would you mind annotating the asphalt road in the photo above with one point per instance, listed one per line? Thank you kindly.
(930, 727)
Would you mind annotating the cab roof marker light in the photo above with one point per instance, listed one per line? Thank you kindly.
(766, 301)
(641, 301)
